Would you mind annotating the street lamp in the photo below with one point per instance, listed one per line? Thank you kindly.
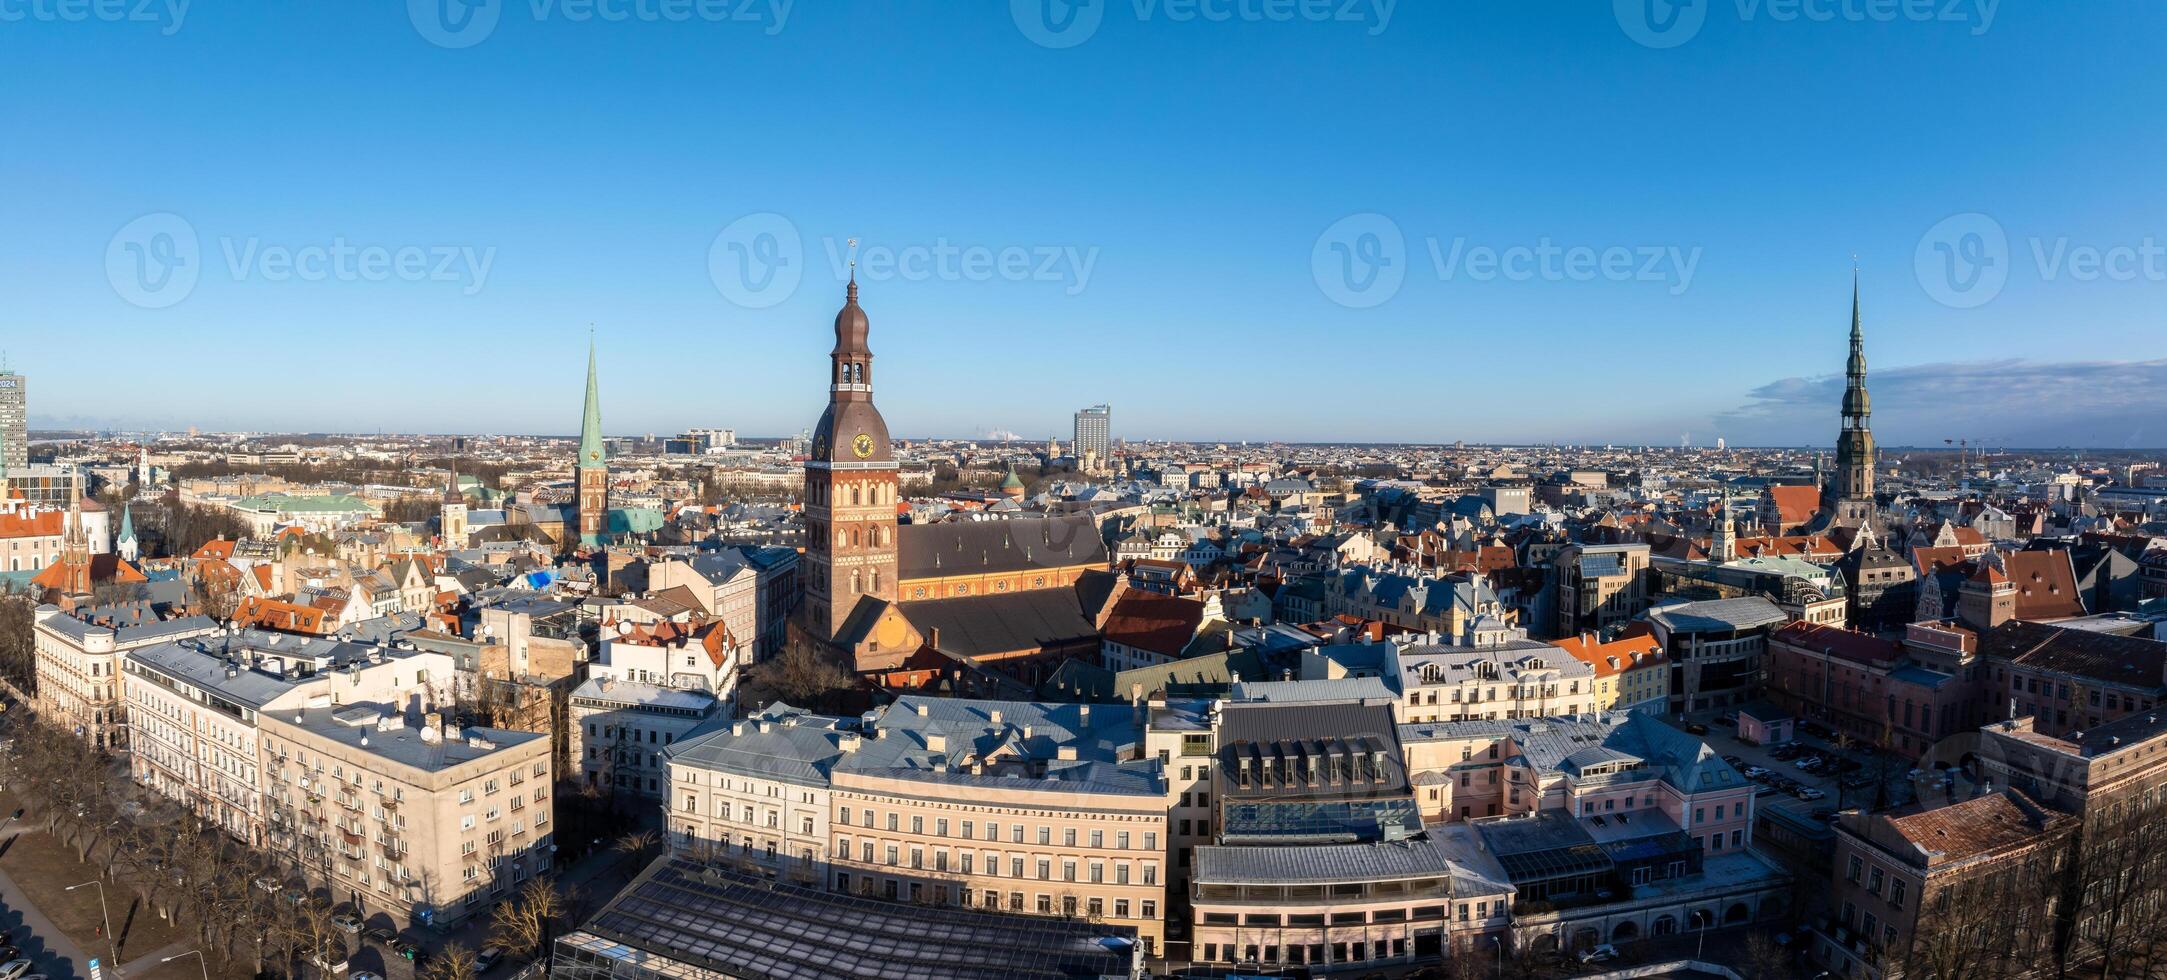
(112, 942)
(1701, 943)
(1499, 941)
(200, 961)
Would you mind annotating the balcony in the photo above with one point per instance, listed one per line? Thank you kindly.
(352, 839)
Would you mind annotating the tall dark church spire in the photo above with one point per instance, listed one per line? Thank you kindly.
(1852, 496)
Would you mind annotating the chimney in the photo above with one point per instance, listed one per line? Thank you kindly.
(1066, 753)
(994, 716)
(921, 709)
(936, 743)
(848, 742)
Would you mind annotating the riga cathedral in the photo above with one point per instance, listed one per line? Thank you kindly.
(982, 607)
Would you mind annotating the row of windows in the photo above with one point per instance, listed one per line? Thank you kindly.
(992, 828)
(989, 863)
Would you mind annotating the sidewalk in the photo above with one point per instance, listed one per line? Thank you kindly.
(56, 955)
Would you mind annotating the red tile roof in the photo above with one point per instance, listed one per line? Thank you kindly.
(1794, 504)
(1161, 624)
(2046, 585)
(1843, 644)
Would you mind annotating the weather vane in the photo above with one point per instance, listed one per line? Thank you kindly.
(853, 254)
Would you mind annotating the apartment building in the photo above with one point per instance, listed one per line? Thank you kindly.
(1600, 586)
(1956, 870)
(1597, 766)
(1020, 807)
(1631, 672)
(332, 754)
(405, 814)
(78, 662)
(757, 790)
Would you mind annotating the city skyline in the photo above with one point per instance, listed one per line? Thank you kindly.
(1107, 239)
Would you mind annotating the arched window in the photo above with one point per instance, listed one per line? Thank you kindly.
(854, 501)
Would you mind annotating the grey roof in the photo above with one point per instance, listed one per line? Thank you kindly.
(1297, 692)
(236, 665)
(353, 724)
(1017, 544)
(130, 623)
(1217, 865)
(1751, 612)
(980, 625)
(777, 742)
(633, 694)
(1025, 744)
(1572, 745)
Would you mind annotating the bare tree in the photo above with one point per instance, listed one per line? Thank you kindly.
(454, 962)
(800, 676)
(522, 924)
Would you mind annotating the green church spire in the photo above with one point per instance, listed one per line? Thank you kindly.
(591, 452)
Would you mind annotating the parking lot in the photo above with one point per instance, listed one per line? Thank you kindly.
(1814, 778)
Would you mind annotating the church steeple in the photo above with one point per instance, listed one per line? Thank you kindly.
(593, 468)
(1852, 497)
(591, 451)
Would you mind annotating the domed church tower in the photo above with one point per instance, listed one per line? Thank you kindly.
(850, 488)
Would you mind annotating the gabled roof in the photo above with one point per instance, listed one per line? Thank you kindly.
(2046, 585)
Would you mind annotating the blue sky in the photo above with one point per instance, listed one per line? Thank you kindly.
(382, 231)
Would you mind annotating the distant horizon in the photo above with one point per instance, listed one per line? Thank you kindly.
(49, 437)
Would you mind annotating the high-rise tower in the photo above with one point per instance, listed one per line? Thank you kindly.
(593, 466)
(850, 487)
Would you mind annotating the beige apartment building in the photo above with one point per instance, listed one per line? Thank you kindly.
(332, 755)
(1021, 807)
(78, 662)
(1600, 586)
(426, 821)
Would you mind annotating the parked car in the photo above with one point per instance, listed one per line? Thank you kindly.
(489, 957)
(1600, 954)
(14, 969)
(347, 921)
(1756, 772)
(1810, 794)
(1727, 722)
(1734, 760)
(1696, 729)
(379, 934)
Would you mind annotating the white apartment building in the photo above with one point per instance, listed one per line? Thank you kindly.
(78, 662)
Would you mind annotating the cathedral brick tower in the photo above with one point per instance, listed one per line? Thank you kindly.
(850, 488)
(592, 467)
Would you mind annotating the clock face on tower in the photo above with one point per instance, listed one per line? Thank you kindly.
(862, 445)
